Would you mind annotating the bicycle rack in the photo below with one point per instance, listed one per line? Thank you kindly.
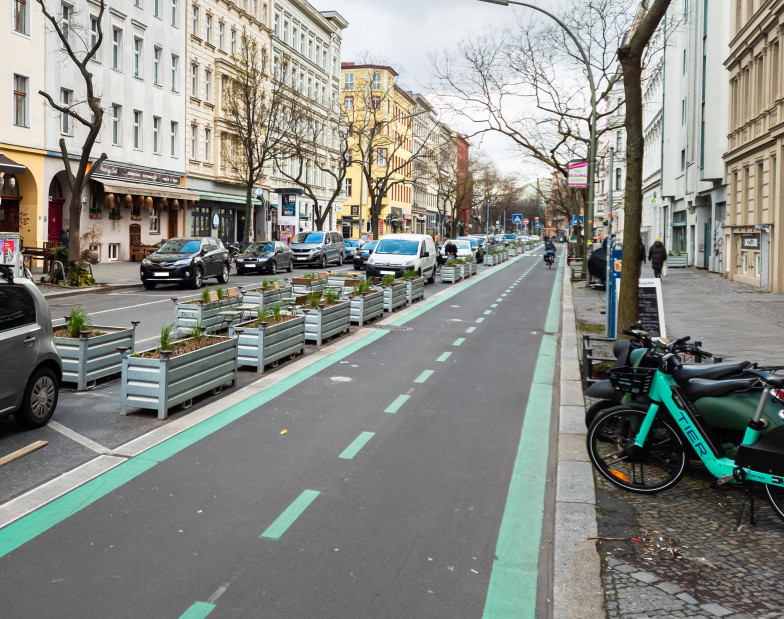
(53, 269)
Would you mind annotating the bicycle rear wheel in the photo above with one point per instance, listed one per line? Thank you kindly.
(776, 499)
(658, 465)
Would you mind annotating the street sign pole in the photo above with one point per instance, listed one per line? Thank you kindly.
(608, 250)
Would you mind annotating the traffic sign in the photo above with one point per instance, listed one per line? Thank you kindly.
(517, 219)
(537, 224)
(525, 221)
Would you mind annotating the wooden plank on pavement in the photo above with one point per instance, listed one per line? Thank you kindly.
(19, 453)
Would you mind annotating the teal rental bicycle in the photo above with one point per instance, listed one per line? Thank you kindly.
(648, 451)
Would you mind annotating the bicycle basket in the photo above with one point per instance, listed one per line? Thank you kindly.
(632, 380)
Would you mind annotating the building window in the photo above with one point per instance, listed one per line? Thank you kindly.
(194, 140)
(114, 251)
(221, 27)
(684, 62)
(294, 32)
(207, 145)
(174, 20)
(208, 28)
(173, 139)
(195, 21)
(175, 60)
(94, 36)
(207, 85)
(285, 31)
(154, 219)
(156, 135)
(617, 179)
(683, 159)
(137, 57)
(117, 49)
(348, 81)
(349, 103)
(201, 218)
(194, 79)
(66, 99)
(376, 81)
(20, 101)
(233, 41)
(376, 101)
(137, 129)
(348, 187)
(156, 8)
(65, 21)
(116, 119)
(381, 157)
(310, 49)
(276, 28)
(20, 16)
(683, 111)
(156, 65)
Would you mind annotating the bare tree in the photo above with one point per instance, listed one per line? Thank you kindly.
(631, 54)
(258, 109)
(80, 50)
(321, 142)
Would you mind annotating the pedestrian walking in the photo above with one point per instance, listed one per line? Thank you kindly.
(642, 254)
(657, 254)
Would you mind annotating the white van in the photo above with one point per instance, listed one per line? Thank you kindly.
(396, 253)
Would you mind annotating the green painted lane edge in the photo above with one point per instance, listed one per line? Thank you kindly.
(553, 322)
(470, 329)
(444, 356)
(395, 406)
(513, 580)
(357, 444)
(459, 341)
(488, 312)
(199, 610)
(424, 376)
(480, 320)
(28, 527)
(290, 515)
(499, 300)
(494, 305)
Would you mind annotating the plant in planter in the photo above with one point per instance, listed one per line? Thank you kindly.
(90, 352)
(213, 311)
(314, 299)
(325, 317)
(307, 283)
(175, 372)
(275, 335)
(394, 292)
(415, 285)
(367, 303)
(451, 272)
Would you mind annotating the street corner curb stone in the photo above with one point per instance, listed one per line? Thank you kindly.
(575, 483)
(645, 577)
(571, 447)
(572, 420)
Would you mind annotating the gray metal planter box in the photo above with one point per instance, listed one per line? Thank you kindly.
(451, 274)
(472, 265)
(489, 260)
(267, 297)
(466, 270)
(395, 296)
(367, 306)
(325, 322)
(677, 262)
(343, 281)
(415, 289)
(188, 315)
(88, 358)
(259, 346)
(164, 382)
(302, 285)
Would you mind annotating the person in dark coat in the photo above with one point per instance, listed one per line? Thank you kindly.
(657, 254)
(642, 254)
(63, 239)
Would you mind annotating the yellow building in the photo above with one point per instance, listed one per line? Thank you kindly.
(379, 114)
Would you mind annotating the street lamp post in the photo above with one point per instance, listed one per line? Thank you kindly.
(588, 228)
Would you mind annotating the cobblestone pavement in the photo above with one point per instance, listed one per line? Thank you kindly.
(689, 560)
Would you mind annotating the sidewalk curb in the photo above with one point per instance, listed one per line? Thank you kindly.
(577, 585)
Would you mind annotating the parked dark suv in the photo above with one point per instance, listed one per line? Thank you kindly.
(30, 367)
(186, 260)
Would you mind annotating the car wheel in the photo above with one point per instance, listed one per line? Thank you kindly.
(340, 260)
(40, 399)
(223, 278)
(148, 284)
(323, 263)
(432, 278)
(290, 268)
(198, 278)
(273, 268)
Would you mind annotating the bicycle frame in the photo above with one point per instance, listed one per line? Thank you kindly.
(665, 391)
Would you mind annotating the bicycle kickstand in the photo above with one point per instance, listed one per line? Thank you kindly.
(752, 516)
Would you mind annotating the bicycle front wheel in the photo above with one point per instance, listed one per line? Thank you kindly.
(776, 499)
(656, 466)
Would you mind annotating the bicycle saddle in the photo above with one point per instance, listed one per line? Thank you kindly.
(774, 380)
(697, 388)
(714, 371)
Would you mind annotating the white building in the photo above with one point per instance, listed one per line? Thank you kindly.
(138, 72)
(311, 41)
(611, 157)
(426, 134)
(653, 206)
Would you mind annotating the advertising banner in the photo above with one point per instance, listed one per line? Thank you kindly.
(578, 174)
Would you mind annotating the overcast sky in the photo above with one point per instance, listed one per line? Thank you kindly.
(407, 32)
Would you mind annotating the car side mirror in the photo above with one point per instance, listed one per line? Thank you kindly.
(426, 254)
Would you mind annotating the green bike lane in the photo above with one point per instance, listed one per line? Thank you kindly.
(384, 498)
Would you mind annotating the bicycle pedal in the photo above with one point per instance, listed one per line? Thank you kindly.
(725, 479)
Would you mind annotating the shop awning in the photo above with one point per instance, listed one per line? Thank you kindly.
(9, 166)
(143, 189)
(215, 196)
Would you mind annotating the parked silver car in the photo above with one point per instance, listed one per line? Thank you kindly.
(30, 367)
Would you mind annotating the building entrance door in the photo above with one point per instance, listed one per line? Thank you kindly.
(55, 219)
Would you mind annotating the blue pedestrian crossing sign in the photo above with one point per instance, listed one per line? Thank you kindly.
(537, 224)
(517, 218)
(574, 220)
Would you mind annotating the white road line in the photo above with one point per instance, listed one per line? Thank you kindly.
(82, 440)
(148, 339)
(119, 309)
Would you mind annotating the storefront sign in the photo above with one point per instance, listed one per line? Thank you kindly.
(113, 170)
(578, 174)
(750, 242)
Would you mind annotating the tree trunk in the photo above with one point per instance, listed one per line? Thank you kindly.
(74, 224)
(628, 301)
(246, 237)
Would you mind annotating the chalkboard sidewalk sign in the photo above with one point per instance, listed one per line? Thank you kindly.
(651, 308)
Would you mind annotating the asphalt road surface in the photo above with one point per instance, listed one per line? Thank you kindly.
(372, 483)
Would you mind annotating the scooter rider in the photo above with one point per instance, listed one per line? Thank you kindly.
(549, 248)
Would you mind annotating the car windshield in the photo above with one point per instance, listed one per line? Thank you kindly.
(474, 242)
(351, 243)
(308, 237)
(398, 247)
(260, 248)
(180, 246)
(510, 236)
(369, 247)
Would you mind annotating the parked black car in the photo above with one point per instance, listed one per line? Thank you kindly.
(269, 256)
(363, 253)
(186, 260)
(352, 245)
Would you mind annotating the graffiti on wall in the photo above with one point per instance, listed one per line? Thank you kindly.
(718, 241)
